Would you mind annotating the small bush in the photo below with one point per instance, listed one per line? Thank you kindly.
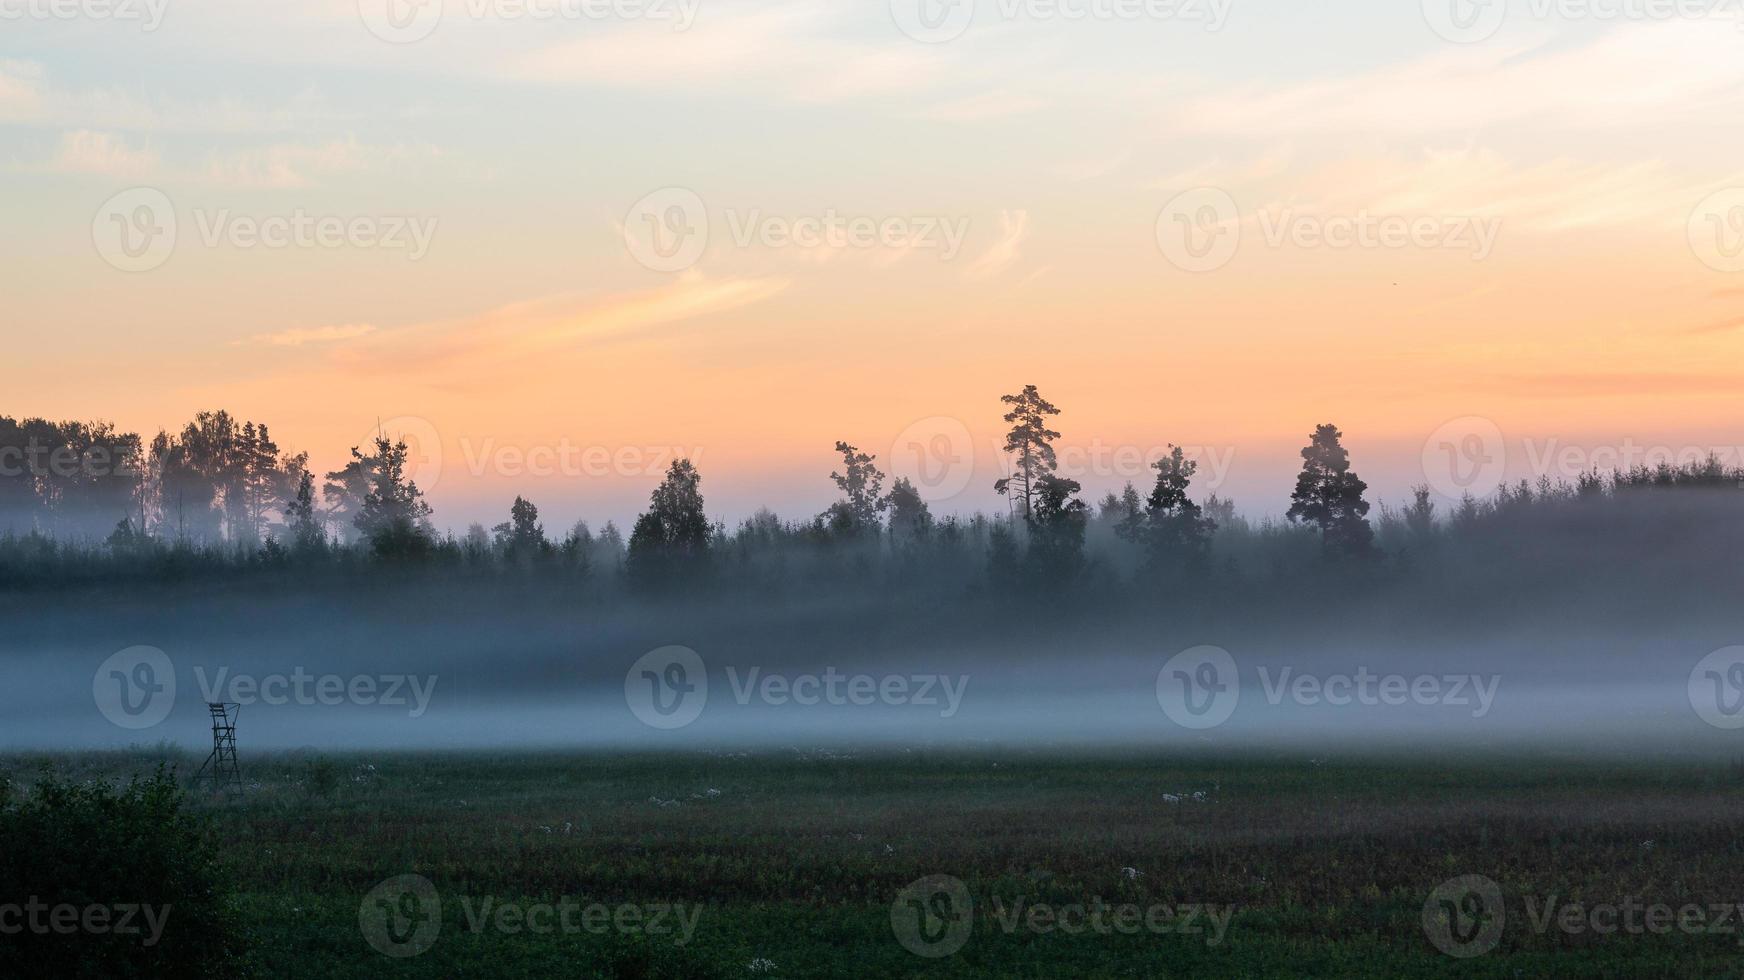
(322, 778)
(107, 882)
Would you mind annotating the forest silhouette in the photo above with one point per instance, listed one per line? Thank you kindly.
(85, 503)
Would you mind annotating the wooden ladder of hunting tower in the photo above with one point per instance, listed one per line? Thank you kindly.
(220, 768)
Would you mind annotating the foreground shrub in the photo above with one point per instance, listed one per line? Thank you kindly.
(97, 881)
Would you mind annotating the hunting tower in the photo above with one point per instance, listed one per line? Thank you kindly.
(220, 768)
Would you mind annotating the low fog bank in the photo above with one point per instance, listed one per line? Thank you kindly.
(522, 666)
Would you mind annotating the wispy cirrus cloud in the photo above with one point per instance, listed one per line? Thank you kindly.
(86, 151)
(1611, 384)
(797, 51)
(1014, 229)
(513, 334)
(295, 165)
(305, 336)
(1557, 195)
(31, 96)
(1635, 73)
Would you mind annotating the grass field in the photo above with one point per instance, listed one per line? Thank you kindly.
(787, 864)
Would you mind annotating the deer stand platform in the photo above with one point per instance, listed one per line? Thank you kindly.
(220, 769)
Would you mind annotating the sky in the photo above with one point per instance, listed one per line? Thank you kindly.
(556, 243)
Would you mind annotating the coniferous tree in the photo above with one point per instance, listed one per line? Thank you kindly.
(1420, 517)
(301, 520)
(1173, 530)
(394, 517)
(1056, 532)
(1030, 441)
(577, 549)
(522, 538)
(608, 545)
(910, 519)
(1330, 497)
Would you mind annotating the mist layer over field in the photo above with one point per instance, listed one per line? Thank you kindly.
(1604, 623)
(498, 667)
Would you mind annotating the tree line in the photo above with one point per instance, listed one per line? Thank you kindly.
(221, 493)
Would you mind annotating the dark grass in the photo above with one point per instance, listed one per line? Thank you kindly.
(798, 858)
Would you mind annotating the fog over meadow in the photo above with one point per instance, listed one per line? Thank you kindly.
(434, 666)
(1600, 615)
